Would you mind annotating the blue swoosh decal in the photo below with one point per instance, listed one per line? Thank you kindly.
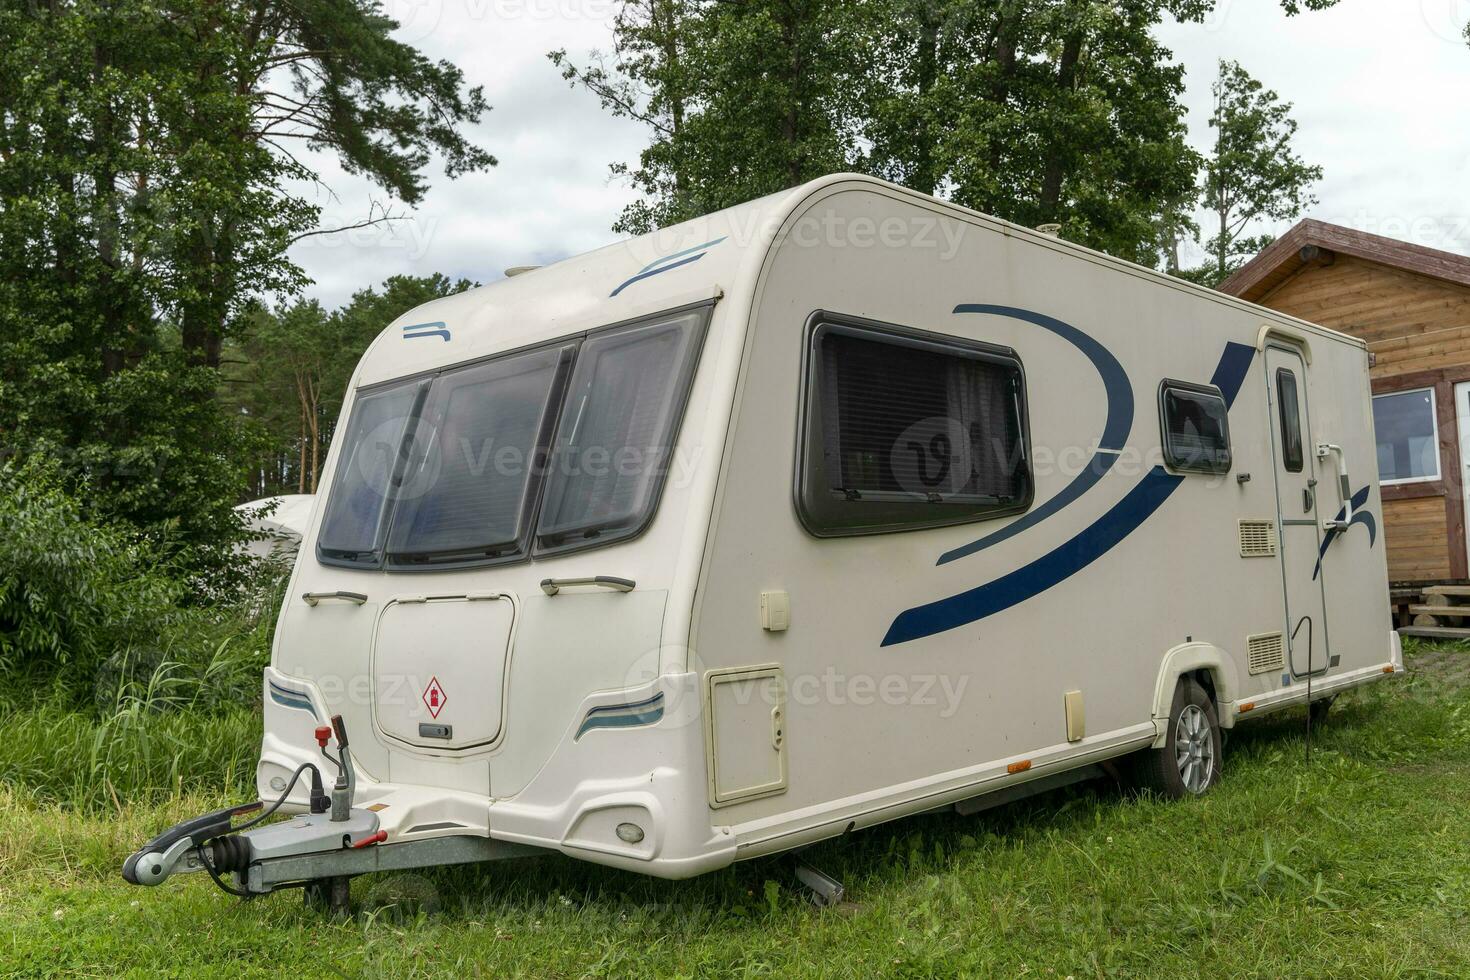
(1360, 516)
(290, 699)
(647, 712)
(664, 264)
(436, 329)
(683, 252)
(1115, 430)
(1076, 554)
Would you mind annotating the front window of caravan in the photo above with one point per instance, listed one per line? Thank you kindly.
(466, 494)
(357, 513)
(617, 432)
(453, 469)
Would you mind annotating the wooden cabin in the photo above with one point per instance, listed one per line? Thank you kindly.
(1412, 306)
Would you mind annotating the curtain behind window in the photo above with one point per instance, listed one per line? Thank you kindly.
(468, 488)
(900, 419)
(618, 429)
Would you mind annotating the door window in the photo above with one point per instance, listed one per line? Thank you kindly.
(1291, 424)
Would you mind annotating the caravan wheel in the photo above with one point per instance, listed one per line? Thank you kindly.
(1189, 762)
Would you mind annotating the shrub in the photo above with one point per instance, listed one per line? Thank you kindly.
(72, 592)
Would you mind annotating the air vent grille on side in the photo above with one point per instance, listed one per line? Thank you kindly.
(1257, 539)
(1265, 652)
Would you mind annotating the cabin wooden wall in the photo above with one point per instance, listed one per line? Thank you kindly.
(1418, 330)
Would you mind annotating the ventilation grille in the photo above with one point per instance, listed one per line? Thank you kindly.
(1265, 652)
(1257, 539)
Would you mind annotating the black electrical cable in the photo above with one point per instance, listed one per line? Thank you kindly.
(281, 800)
(254, 821)
(215, 875)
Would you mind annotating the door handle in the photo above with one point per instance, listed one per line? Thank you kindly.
(551, 586)
(312, 598)
(1324, 449)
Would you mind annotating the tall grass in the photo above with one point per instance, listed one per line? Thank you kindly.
(179, 718)
(75, 759)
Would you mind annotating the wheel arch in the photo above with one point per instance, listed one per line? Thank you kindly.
(1210, 666)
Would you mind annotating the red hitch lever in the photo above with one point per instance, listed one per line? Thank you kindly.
(323, 732)
(371, 839)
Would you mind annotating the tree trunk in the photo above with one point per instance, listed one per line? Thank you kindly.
(301, 452)
(668, 30)
(1051, 181)
(316, 441)
(924, 177)
(1007, 36)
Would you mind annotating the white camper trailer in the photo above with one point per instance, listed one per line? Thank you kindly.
(841, 505)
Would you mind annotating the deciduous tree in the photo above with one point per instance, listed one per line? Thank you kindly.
(1253, 174)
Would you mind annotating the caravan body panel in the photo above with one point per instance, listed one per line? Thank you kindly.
(755, 666)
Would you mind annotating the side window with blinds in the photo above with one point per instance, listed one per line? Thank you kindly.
(907, 430)
(1196, 428)
(1291, 423)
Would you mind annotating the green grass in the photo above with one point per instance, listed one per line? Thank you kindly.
(1354, 864)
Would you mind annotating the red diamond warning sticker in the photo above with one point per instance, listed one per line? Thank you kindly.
(434, 697)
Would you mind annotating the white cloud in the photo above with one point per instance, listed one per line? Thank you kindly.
(1378, 88)
(550, 196)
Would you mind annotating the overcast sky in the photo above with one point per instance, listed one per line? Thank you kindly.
(1380, 89)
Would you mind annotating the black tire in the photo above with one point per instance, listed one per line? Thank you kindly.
(1189, 762)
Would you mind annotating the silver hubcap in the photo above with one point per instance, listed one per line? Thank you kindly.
(1194, 748)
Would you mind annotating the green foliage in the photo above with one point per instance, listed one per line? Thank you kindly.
(289, 373)
(1061, 111)
(90, 615)
(148, 196)
(1253, 174)
(53, 754)
(71, 593)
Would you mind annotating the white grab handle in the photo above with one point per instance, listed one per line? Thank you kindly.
(1344, 487)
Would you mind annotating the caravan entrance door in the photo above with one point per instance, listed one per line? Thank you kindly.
(1299, 525)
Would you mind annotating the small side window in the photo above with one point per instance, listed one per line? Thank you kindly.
(1196, 428)
(907, 430)
(1291, 424)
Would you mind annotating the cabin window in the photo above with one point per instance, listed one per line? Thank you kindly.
(467, 487)
(615, 442)
(1406, 427)
(906, 429)
(1291, 423)
(1196, 428)
(358, 508)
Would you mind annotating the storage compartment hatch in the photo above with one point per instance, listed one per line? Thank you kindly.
(745, 712)
(439, 667)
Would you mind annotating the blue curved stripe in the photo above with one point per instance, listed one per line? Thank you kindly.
(1230, 373)
(1076, 554)
(1115, 430)
(290, 699)
(666, 268)
(664, 264)
(647, 712)
(1064, 562)
(679, 254)
(1360, 516)
(436, 329)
